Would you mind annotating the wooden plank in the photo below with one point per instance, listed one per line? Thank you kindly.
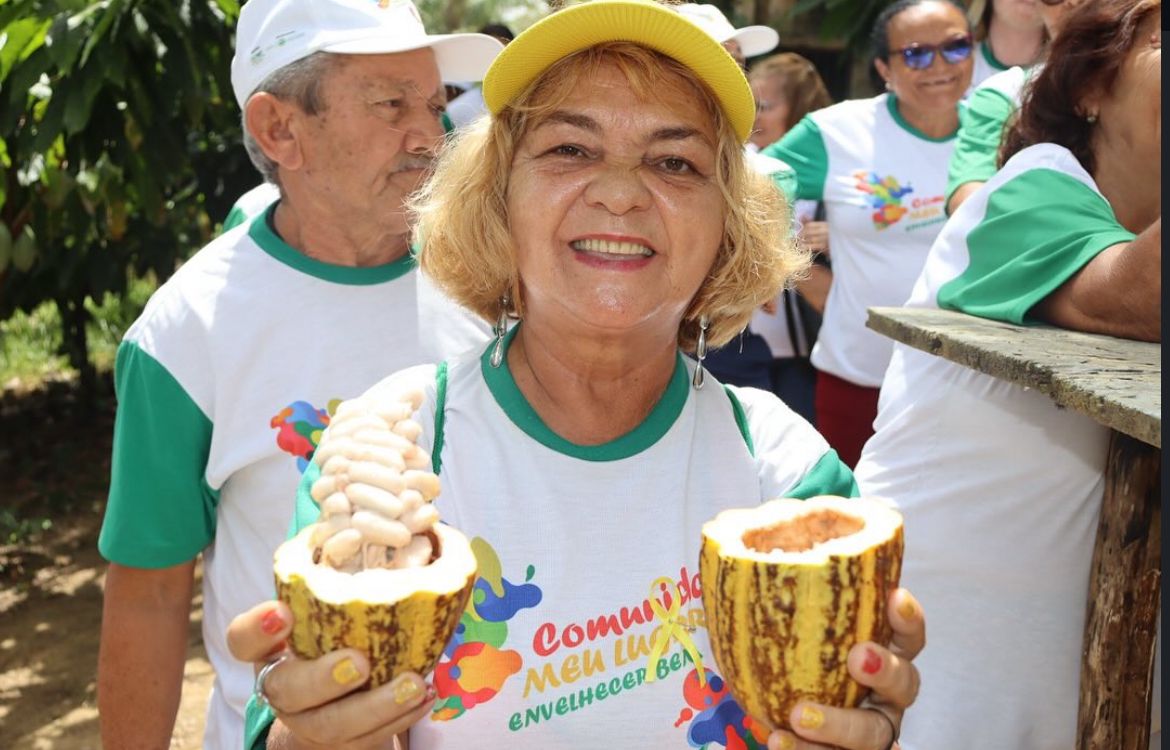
(1115, 381)
(1117, 662)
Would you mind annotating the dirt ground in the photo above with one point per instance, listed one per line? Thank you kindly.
(54, 461)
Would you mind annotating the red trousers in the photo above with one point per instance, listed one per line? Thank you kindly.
(845, 414)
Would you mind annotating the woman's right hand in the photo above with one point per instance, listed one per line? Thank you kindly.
(317, 702)
(815, 236)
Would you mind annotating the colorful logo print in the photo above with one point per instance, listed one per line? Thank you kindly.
(716, 720)
(475, 665)
(299, 426)
(885, 197)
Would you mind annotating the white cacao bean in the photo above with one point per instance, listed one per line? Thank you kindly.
(380, 530)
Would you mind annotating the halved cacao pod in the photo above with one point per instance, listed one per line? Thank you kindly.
(402, 619)
(789, 587)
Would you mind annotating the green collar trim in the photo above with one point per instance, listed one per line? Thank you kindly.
(661, 418)
(892, 105)
(263, 233)
(989, 56)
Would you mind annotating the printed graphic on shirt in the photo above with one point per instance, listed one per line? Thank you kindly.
(298, 429)
(716, 720)
(475, 666)
(885, 197)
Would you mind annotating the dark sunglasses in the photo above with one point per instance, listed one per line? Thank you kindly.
(920, 56)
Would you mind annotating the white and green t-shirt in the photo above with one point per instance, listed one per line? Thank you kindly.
(572, 540)
(882, 184)
(224, 386)
(251, 203)
(1000, 488)
(981, 122)
(986, 65)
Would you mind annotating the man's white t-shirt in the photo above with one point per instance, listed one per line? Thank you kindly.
(225, 384)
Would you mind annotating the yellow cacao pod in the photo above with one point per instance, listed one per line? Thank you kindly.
(789, 587)
(401, 619)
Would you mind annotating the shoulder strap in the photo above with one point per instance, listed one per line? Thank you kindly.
(440, 408)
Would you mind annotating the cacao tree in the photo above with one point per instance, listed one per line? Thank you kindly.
(119, 146)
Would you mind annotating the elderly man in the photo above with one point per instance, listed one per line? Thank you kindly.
(229, 376)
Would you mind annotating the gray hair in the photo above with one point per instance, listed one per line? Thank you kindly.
(298, 82)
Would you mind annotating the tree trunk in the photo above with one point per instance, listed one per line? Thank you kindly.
(74, 317)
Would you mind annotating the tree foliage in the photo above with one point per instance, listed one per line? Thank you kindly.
(118, 145)
(847, 20)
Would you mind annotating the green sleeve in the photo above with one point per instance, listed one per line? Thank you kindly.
(803, 148)
(981, 124)
(160, 510)
(828, 477)
(306, 509)
(257, 723)
(1040, 228)
(785, 180)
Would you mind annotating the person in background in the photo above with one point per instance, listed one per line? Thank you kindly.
(469, 105)
(1001, 488)
(772, 353)
(228, 377)
(879, 165)
(1009, 33)
(741, 43)
(986, 112)
(607, 206)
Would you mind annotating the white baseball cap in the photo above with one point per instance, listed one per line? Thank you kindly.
(275, 33)
(752, 40)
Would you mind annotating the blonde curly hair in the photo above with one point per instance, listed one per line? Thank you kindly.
(463, 227)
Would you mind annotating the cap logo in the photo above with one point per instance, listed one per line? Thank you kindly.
(256, 56)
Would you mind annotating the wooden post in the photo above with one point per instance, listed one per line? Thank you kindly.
(1117, 663)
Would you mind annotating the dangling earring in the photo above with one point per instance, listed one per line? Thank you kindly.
(500, 329)
(700, 352)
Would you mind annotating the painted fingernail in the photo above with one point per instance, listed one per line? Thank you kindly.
(345, 672)
(786, 742)
(811, 718)
(907, 609)
(873, 662)
(431, 693)
(406, 691)
(271, 622)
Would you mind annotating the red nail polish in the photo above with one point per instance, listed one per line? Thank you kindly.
(873, 662)
(272, 622)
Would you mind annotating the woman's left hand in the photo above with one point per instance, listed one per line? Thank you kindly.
(891, 675)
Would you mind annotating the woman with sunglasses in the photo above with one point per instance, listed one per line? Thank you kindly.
(879, 165)
(982, 120)
(1000, 488)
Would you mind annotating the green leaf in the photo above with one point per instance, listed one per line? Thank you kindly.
(78, 103)
(19, 40)
(111, 11)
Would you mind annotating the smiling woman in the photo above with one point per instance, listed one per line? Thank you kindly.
(607, 208)
(880, 166)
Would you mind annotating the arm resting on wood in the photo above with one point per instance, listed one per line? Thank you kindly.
(1119, 293)
(145, 618)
